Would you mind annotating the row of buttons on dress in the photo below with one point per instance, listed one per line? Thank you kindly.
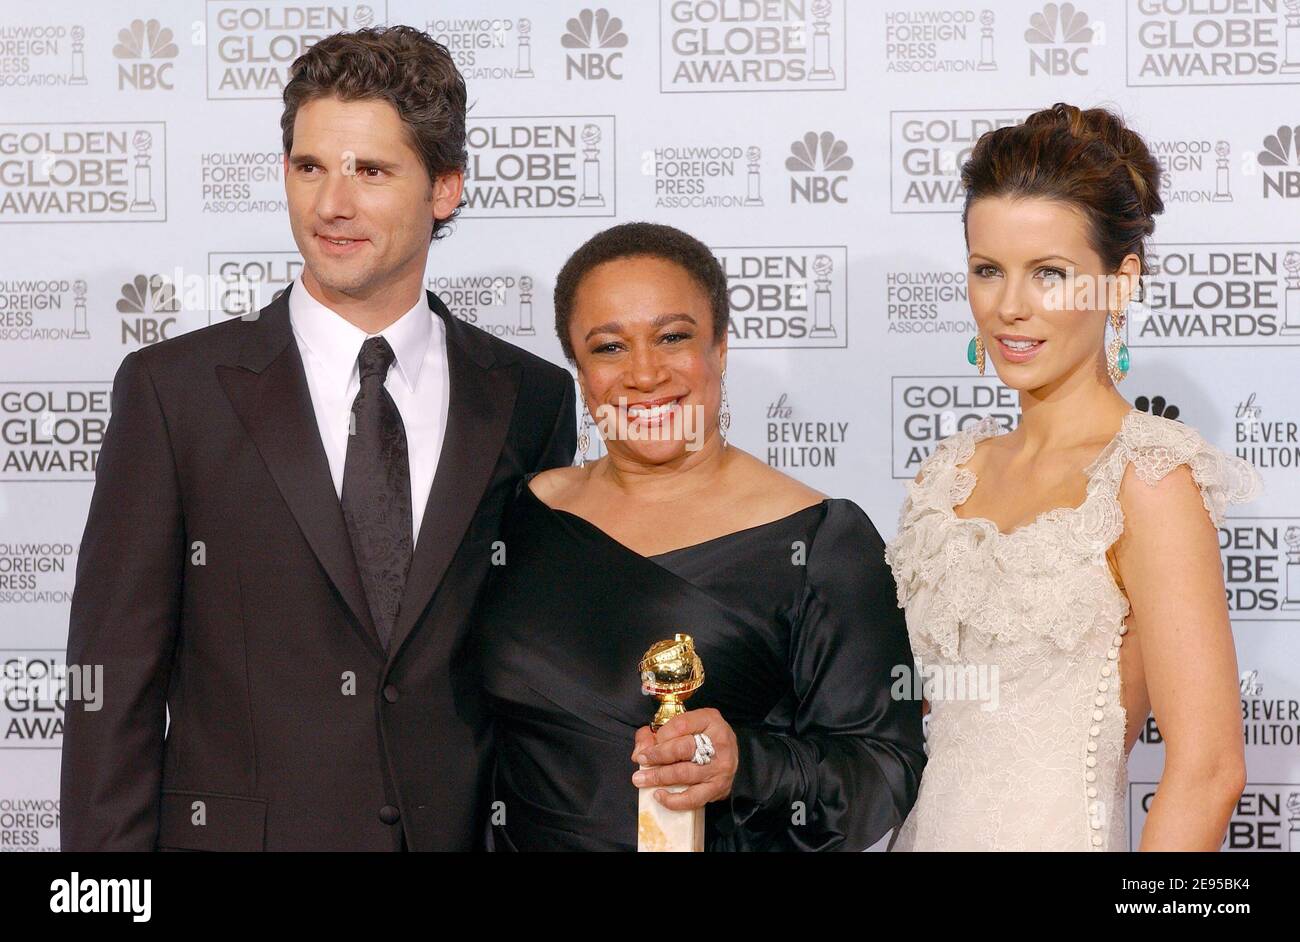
(1103, 685)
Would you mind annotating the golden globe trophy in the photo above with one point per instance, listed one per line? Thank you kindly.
(670, 671)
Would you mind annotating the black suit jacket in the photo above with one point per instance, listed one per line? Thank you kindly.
(216, 585)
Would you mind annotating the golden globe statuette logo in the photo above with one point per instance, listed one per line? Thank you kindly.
(523, 31)
(1291, 593)
(526, 328)
(78, 74)
(591, 195)
(1222, 191)
(1291, 63)
(821, 44)
(1291, 295)
(670, 671)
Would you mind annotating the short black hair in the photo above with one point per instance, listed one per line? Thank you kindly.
(642, 239)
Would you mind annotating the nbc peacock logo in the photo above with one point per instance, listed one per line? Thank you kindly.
(819, 165)
(1059, 36)
(148, 305)
(594, 36)
(1280, 158)
(142, 45)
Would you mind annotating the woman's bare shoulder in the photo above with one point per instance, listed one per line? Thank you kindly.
(555, 485)
(770, 492)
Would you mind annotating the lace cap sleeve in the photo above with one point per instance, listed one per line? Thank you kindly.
(939, 485)
(955, 448)
(1157, 445)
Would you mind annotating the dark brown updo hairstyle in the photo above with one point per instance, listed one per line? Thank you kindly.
(642, 239)
(1088, 159)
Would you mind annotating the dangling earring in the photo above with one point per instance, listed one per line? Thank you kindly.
(975, 353)
(1117, 361)
(584, 436)
(724, 413)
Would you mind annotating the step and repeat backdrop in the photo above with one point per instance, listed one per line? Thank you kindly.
(813, 143)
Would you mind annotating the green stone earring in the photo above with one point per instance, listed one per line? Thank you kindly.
(1117, 359)
(975, 353)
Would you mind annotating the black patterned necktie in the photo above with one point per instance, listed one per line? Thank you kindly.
(377, 489)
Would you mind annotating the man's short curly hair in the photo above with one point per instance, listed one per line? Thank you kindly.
(402, 66)
(642, 239)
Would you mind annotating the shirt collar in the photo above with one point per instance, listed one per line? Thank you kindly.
(336, 342)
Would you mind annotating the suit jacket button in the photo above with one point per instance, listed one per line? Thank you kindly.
(390, 693)
(389, 815)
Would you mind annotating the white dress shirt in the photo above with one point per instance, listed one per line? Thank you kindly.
(418, 381)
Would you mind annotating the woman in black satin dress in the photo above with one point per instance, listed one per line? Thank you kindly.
(784, 590)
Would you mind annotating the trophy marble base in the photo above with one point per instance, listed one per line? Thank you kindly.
(662, 830)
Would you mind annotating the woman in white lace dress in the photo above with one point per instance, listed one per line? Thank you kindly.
(1072, 562)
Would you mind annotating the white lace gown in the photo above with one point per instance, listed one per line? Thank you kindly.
(1045, 769)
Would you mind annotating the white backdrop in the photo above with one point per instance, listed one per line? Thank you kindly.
(813, 143)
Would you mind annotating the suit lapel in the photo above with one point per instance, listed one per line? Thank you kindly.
(478, 418)
(268, 389)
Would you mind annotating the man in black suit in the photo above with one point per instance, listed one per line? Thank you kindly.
(294, 513)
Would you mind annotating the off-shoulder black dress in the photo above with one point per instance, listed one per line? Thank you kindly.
(799, 630)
